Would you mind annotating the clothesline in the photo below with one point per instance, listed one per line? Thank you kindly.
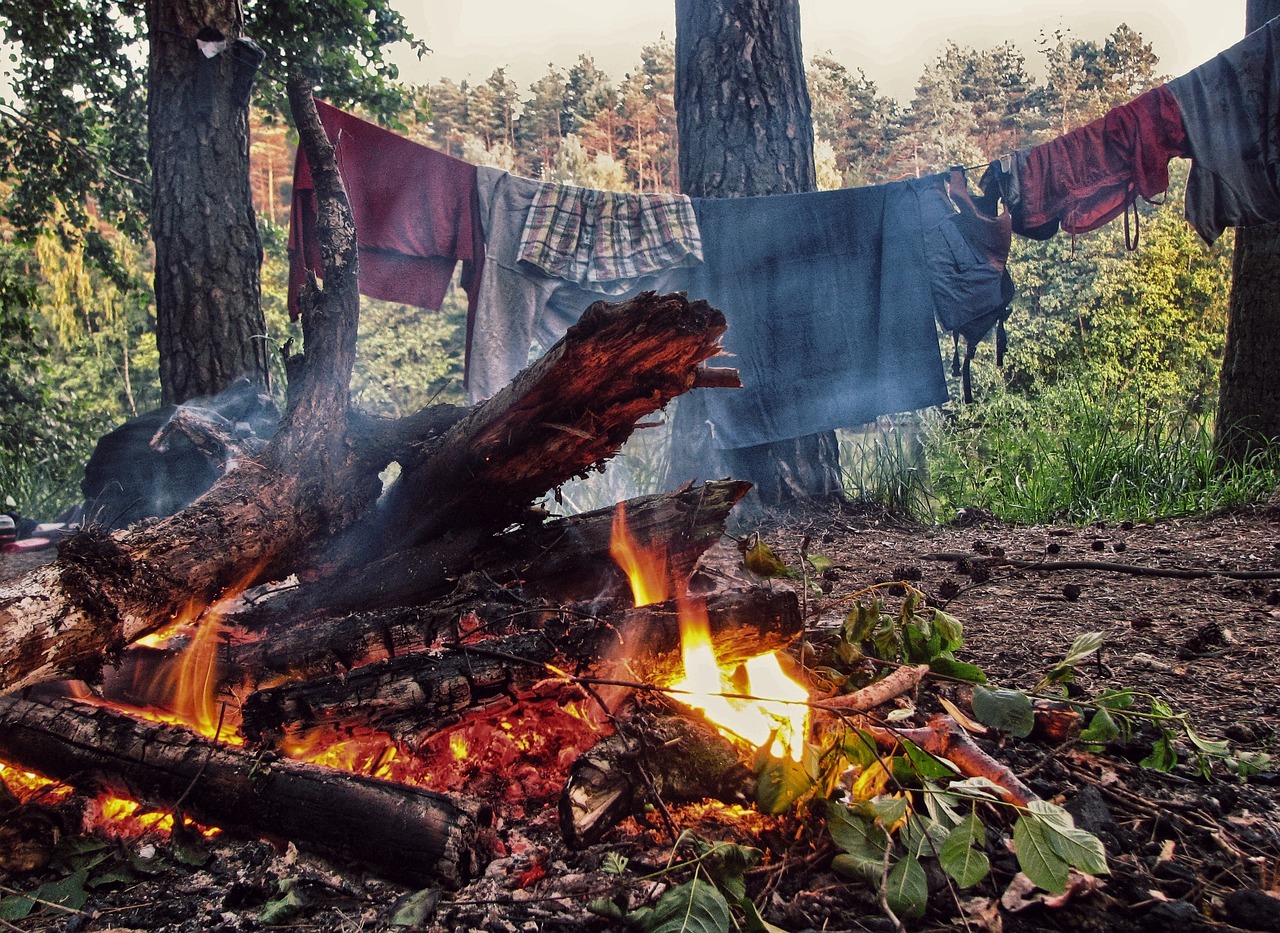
(817, 295)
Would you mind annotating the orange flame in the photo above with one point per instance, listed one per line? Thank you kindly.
(646, 568)
(767, 706)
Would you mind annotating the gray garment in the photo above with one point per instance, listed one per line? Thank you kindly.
(520, 309)
(1231, 111)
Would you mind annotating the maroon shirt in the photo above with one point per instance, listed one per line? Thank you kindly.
(1090, 175)
(416, 212)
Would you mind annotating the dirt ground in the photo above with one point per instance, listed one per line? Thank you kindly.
(1184, 852)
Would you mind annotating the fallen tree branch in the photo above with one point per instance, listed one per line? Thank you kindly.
(903, 680)
(944, 738)
(1105, 566)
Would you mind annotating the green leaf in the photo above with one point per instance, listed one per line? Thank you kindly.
(977, 787)
(614, 863)
(1080, 848)
(861, 622)
(781, 783)
(693, 907)
(863, 844)
(1081, 648)
(727, 864)
(907, 888)
(604, 907)
(819, 563)
(887, 808)
(1114, 699)
(1217, 749)
(1162, 757)
(1008, 710)
(960, 858)
(1247, 764)
(950, 629)
(285, 907)
(860, 748)
(1036, 856)
(927, 766)
(946, 666)
(414, 909)
(1102, 729)
(16, 907)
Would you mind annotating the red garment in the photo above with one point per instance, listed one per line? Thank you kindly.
(1092, 174)
(416, 210)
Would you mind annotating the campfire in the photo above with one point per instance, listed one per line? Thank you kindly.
(491, 713)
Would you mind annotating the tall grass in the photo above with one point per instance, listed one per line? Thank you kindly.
(1080, 456)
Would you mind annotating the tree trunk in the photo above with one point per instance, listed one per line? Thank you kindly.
(209, 323)
(1248, 391)
(745, 129)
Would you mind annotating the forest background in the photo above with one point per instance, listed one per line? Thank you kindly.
(1103, 407)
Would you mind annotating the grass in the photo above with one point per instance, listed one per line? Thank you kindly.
(1079, 458)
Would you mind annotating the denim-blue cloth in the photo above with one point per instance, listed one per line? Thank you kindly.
(828, 299)
(1231, 111)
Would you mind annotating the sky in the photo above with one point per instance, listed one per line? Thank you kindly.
(890, 41)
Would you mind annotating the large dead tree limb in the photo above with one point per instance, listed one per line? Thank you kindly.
(564, 558)
(576, 405)
(569, 411)
(405, 832)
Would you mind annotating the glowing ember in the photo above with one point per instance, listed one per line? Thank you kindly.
(775, 713)
(458, 745)
(646, 568)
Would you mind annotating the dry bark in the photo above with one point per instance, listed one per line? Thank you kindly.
(406, 833)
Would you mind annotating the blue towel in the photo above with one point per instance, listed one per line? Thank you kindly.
(831, 318)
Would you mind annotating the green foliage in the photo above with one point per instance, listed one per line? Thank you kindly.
(916, 634)
(408, 358)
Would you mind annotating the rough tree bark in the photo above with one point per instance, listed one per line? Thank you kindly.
(209, 321)
(407, 833)
(745, 129)
(1248, 391)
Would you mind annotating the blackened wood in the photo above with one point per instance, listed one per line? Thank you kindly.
(403, 832)
(565, 559)
(68, 618)
(572, 409)
(675, 756)
(414, 695)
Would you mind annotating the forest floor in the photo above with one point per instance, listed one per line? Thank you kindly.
(1184, 852)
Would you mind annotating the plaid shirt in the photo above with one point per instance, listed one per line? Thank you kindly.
(605, 240)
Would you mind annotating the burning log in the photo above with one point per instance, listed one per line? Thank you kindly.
(406, 833)
(655, 752)
(416, 694)
(564, 558)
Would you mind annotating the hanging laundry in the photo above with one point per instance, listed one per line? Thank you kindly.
(968, 254)
(1087, 177)
(416, 212)
(1231, 111)
(520, 305)
(604, 240)
(829, 303)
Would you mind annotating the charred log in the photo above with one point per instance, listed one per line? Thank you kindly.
(405, 833)
(655, 753)
(417, 694)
